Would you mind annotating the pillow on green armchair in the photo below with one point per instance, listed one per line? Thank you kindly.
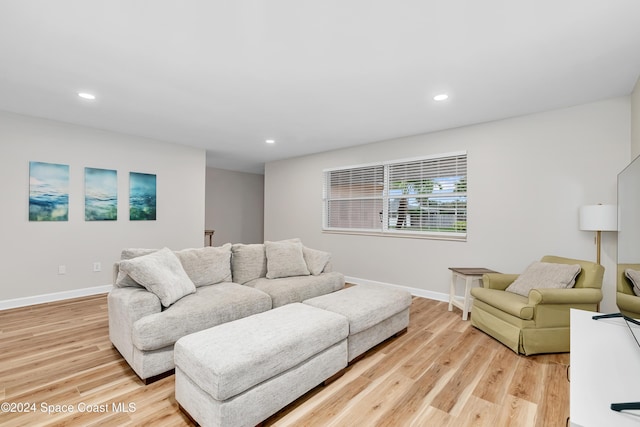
(545, 275)
(634, 276)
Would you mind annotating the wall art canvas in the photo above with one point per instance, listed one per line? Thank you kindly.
(100, 194)
(48, 192)
(142, 196)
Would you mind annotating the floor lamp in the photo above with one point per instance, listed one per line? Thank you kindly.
(598, 218)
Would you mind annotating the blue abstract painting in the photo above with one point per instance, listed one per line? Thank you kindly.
(142, 196)
(48, 192)
(100, 194)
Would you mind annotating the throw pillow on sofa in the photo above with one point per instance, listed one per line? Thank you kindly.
(123, 280)
(160, 273)
(285, 259)
(208, 265)
(248, 262)
(316, 260)
(545, 275)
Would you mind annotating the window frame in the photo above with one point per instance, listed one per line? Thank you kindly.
(386, 197)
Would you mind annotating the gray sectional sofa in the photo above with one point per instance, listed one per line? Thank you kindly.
(159, 296)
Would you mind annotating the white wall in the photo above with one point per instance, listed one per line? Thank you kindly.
(635, 121)
(527, 178)
(234, 206)
(32, 251)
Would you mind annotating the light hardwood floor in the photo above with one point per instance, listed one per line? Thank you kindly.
(442, 372)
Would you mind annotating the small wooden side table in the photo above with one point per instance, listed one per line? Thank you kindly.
(469, 275)
(209, 234)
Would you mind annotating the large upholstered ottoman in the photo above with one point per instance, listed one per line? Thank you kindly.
(374, 313)
(240, 373)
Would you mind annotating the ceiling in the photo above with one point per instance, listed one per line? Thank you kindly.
(312, 75)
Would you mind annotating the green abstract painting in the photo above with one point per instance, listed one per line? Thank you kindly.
(142, 196)
(100, 194)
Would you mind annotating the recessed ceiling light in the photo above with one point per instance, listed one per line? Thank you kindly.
(85, 95)
(270, 141)
(440, 97)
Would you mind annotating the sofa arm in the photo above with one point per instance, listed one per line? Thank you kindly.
(565, 296)
(125, 306)
(133, 303)
(499, 281)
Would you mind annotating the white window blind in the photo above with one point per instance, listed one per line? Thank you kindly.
(423, 196)
(354, 198)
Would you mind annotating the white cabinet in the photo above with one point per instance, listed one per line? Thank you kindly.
(605, 369)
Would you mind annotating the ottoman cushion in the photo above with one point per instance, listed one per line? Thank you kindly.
(230, 358)
(364, 306)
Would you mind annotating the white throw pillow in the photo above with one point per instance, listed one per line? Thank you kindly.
(634, 276)
(123, 280)
(248, 262)
(316, 260)
(285, 259)
(161, 273)
(208, 265)
(545, 275)
(130, 253)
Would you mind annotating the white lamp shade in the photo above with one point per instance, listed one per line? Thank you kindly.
(599, 218)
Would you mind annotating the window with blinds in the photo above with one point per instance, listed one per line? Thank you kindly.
(421, 196)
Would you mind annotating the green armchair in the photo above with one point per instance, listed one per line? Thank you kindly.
(627, 301)
(538, 323)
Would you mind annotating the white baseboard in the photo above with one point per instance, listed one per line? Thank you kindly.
(438, 296)
(57, 296)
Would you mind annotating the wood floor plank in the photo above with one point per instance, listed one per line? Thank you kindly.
(428, 352)
(371, 405)
(462, 382)
(433, 417)
(527, 381)
(441, 372)
(494, 384)
(331, 406)
(478, 412)
(419, 396)
(554, 390)
(521, 413)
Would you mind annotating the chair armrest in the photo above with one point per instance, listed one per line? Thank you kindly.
(499, 281)
(565, 296)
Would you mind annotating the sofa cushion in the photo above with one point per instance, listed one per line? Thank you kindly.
(316, 260)
(364, 306)
(161, 273)
(207, 307)
(285, 259)
(204, 266)
(545, 275)
(288, 290)
(634, 277)
(248, 262)
(208, 265)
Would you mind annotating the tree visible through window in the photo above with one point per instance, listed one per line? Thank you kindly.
(425, 196)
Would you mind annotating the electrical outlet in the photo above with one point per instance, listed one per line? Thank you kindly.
(62, 269)
(97, 267)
